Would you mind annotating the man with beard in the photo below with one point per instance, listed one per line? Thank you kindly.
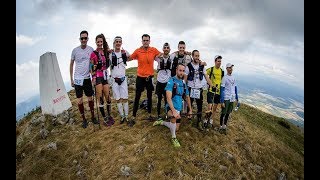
(175, 90)
(195, 75)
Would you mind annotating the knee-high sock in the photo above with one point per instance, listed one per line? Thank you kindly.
(101, 108)
(120, 109)
(126, 108)
(172, 127)
(81, 109)
(109, 107)
(91, 105)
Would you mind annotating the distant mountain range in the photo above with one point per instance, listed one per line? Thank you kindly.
(26, 106)
(272, 96)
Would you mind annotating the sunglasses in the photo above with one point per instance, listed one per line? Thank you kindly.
(83, 38)
(118, 41)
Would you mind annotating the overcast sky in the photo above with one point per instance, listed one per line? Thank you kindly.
(261, 38)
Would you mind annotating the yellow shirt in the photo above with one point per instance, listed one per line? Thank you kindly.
(215, 78)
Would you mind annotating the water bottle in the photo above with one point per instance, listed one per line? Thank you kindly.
(237, 107)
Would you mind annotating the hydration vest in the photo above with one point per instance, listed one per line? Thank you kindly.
(192, 71)
(175, 64)
(100, 63)
(162, 66)
(114, 59)
(175, 89)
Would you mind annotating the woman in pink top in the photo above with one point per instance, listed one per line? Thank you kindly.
(100, 63)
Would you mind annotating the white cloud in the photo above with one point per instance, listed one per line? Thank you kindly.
(27, 80)
(236, 37)
(54, 20)
(23, 40)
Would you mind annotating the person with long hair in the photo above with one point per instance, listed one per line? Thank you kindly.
(100, 63)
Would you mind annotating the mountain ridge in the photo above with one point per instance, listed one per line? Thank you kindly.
(258, 145)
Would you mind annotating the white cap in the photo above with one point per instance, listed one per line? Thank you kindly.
(215, 57)
(229, 65)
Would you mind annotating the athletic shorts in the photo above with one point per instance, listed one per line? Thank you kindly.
(168, 108)
(120, 91)
(101, 80)
(211, 99)
(86, 87)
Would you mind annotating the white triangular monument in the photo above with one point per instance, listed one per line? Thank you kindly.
(53, 95)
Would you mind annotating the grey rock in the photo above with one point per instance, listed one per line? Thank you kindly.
(52, 145)
(125, 170)
(223, 168)
(282, 176)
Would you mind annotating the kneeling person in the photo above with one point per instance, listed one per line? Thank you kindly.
(175, 89)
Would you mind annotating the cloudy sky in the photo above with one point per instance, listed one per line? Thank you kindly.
(262, 38)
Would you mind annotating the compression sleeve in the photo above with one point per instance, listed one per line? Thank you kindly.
(236, 93)
(222, 94)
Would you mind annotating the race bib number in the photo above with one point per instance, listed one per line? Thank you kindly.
(195, 93)
(78, 82)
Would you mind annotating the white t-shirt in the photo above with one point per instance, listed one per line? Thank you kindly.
(164, 74)
(229, 84)
(119, 70)
(196, 83)
(186, 59)
(81, 58)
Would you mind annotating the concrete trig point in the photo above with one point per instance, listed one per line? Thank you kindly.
(53, 95)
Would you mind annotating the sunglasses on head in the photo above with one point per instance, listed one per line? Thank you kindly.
(84, 38)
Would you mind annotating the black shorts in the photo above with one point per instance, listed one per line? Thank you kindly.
(86, 87)
(211, 99)
(160, 88)
(168, 108)
(100, 80)
(143, 82)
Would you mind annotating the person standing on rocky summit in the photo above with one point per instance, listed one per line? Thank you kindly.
(80, 80)
(146, 56)
(118, 60)
(100, 61)
(195, 75)
(229, 95)
(216, 74)
(164, 74)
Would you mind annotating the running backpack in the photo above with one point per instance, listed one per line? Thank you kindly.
(192, 71)
(100, 63)
(175, 89)
(144, 104)
(175, 64)
(114, 60)
(162, 66)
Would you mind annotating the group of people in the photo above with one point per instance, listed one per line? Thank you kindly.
(181, 79)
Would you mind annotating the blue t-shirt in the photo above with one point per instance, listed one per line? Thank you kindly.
(177, 99)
